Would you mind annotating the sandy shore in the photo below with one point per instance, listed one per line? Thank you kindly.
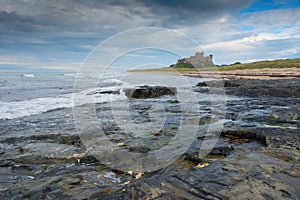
(267, 73)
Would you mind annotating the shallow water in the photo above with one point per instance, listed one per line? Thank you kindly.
(23, 95)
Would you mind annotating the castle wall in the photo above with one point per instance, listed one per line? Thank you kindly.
(198, 60)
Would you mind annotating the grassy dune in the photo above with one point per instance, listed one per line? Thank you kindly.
(274, 64)
(283, 65)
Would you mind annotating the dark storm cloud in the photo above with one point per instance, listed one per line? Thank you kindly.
(55, 27)
(174, 11)
(187, 12)
(12, 21)
(203, 6)
(81, 14)
(191, 5)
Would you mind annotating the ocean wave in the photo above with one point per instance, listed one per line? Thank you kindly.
(112, 80)
(16, 109)
(28, 75)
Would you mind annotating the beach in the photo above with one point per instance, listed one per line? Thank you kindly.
(255, 153)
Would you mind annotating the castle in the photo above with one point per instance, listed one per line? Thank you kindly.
(198, 60)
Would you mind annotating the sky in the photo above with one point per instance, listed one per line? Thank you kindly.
(59, 35)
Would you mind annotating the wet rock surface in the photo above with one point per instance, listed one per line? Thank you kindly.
(147, 91)
(257, 154)
(283, 88)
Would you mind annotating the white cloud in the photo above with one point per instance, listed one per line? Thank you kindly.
(17, 60)
(60, 28)
(271, 34)
(287, 52)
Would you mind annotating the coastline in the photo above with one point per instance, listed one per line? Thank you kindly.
(266, 73)
(43, 157)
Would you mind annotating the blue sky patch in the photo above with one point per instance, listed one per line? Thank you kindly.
(60, 35)
(262, 5)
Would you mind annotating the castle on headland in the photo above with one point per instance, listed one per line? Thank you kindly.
(197, 61)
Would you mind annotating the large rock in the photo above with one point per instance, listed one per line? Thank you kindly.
(257, 88)
(143, 92)
(225, 83)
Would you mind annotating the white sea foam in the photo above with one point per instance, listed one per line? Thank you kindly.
(113, 80)
(16, 109)
(28, 75)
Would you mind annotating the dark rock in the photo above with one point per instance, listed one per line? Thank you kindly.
(105, 92)
(217, 83)
(202, 84)
(256, 157)
(146, 91)
(257, 88)
(139, 149)
(231, 84)
(240, 133)
(223, 150)
(285, 116)
(110, 92)
(274, 88)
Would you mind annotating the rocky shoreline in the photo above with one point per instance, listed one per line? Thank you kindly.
(246, 74)
(256, 157)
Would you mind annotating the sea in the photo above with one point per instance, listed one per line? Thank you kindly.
(25, 94)
(41, 106)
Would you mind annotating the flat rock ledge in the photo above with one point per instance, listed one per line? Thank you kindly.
(256, 157)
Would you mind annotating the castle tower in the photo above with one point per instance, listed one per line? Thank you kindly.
(210, 59)
(199, 55)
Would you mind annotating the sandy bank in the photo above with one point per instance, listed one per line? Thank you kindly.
(266, 73)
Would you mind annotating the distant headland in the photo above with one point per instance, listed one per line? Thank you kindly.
(203, 66)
